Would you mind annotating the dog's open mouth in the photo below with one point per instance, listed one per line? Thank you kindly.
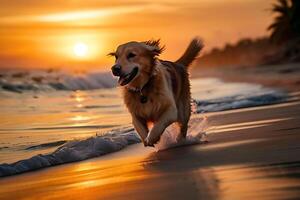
(126, 78)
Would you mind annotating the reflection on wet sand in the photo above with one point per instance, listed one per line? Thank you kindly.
(274, 181)
(244, 125)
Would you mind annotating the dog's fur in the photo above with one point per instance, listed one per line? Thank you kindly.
(165, 84)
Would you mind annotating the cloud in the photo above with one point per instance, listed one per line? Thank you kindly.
(72, 16)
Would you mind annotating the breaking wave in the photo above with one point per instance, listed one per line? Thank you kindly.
(235, 102)
(40, 80)
(74, 151)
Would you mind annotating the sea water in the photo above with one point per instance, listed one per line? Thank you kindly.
(50, 118)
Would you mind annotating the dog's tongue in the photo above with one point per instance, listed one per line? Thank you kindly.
(121, 80)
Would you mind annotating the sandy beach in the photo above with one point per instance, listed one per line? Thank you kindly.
(212, 88)
(251, 153)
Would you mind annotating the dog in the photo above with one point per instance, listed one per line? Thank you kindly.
(156, 92)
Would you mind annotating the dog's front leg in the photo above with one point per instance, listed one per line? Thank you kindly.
(140, 126)
(167, 118)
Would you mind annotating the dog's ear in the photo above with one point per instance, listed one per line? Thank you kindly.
(154, 47)
(111, 54)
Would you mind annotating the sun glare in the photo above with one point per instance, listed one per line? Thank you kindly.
(80, 49)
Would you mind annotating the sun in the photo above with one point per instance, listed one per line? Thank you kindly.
(80, 49)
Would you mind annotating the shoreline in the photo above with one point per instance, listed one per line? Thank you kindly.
(259, 142)
(281, 76)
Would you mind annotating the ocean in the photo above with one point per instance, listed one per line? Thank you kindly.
(53, 117)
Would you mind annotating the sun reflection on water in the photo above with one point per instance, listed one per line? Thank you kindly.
(79, 96)
(80, 118)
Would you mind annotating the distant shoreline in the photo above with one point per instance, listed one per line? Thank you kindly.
(282, 76)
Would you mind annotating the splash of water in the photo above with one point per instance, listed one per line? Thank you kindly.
(196, 134)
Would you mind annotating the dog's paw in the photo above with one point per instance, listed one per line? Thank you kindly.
(180, 138)
(147, 142)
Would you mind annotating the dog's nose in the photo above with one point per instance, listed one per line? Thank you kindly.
(116, 70)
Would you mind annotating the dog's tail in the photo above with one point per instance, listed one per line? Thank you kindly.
(191, 52)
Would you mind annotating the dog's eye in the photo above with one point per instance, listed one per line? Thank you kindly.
(130, 55)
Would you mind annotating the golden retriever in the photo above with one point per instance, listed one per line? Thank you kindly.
(155, 91)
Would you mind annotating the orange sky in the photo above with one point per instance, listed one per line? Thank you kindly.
(42, 34)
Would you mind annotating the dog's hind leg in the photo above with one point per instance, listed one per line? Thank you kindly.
(183, 125)
(184, 113)
(183, 129)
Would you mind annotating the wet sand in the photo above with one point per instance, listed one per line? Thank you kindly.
(252, 153)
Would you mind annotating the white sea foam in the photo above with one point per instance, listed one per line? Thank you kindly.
(75, 151)
(196, 134)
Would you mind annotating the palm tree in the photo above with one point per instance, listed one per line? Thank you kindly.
(296, 17)
(286, 25)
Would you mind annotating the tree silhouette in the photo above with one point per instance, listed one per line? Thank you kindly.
(286, 24)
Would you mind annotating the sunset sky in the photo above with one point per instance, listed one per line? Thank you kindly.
(76, 34)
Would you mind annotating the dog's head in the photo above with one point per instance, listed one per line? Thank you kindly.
(135, 61)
